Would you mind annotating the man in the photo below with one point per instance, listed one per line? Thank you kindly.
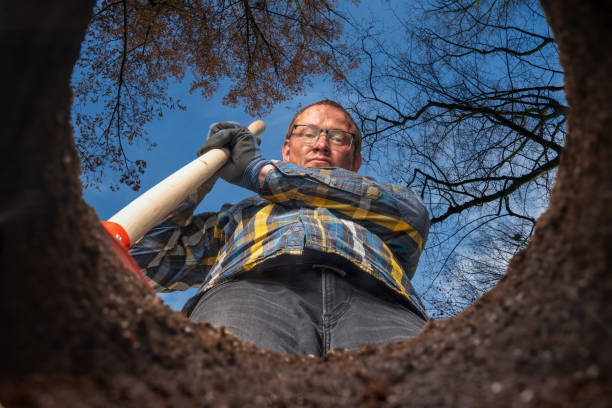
(320, 259)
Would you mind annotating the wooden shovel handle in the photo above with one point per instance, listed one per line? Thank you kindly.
(150, 208)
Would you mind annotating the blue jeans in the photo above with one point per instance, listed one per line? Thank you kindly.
(308, 309)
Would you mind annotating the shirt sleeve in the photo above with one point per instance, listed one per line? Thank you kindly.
(395, 214)
(178, 253)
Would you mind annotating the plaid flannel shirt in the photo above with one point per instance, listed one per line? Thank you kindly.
(380, 229)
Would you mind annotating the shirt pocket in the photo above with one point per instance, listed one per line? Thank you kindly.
(345, 181)
(293, 236)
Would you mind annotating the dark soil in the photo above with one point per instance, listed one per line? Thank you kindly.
(78, 330)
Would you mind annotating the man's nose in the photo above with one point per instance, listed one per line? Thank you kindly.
(322, 143)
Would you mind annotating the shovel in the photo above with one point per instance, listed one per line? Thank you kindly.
(149, 209)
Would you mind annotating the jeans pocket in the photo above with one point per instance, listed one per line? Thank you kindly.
(192, 304)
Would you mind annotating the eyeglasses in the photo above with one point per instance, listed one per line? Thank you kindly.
(338, 139)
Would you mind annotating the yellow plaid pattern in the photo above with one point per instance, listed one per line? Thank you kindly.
(380, 229)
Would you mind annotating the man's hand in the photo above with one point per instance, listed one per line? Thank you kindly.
(245, 161)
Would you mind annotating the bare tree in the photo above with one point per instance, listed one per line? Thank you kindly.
(267, 49)
(467, 108)
(474, 266)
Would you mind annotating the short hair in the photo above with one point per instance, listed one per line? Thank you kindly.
(329, 102)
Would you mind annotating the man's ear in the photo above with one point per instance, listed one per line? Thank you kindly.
(286, 151)
(357, 162)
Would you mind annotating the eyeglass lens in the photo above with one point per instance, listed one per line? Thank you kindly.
(335, 137)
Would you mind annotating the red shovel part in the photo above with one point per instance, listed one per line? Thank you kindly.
(120, 242)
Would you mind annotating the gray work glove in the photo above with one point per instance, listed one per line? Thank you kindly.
(245, 160)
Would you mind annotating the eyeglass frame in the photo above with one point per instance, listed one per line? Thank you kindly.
(326, 131)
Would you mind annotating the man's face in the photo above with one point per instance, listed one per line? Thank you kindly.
(321, 154)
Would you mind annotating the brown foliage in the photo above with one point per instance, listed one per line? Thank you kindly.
(267, 51)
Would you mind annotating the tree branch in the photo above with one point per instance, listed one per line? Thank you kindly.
(515, 185)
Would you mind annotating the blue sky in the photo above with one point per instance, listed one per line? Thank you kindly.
(180, 133)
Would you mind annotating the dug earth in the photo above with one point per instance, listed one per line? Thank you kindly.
(79, 330)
